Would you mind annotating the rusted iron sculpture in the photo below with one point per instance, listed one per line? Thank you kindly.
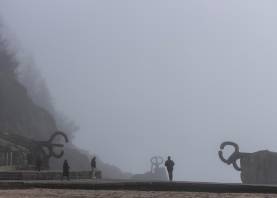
(157, 171)
(256, 168)
(47, 148)
(156, 163)
(33, 150)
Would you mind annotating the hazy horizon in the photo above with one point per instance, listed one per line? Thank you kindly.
(144, 78)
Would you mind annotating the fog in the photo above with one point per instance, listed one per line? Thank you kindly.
(144, 78)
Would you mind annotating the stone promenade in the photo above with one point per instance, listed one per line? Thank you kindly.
(50, 193)
(131, 188)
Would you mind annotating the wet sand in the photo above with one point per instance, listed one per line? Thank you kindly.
(47, 193)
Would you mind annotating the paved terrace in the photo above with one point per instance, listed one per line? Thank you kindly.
(134, 185)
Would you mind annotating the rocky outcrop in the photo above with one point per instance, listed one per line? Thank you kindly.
(256, 168)
(259, 167)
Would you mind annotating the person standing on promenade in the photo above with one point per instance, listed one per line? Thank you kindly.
(169, 164)
(65, 170)
(38, 163)
(93, 167)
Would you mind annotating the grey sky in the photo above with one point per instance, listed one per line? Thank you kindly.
(157, 77)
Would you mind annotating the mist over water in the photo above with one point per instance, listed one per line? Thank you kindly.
(144, 78)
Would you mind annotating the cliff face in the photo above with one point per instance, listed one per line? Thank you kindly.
(18, 113)
(26, 109)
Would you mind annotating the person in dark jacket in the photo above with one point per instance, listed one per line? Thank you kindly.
(93, 167)
(65, 170)
(38, 163)
(169, 166)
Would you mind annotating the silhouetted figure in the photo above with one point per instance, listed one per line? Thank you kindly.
(169, 166)
(38, 163)
(29, 158)
(65, 170)
(93, 167)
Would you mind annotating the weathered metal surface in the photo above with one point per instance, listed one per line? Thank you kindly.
(256, 168)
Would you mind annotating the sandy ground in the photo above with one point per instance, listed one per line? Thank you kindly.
(34, 193)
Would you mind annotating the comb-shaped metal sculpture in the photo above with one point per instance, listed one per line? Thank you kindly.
(256, 168)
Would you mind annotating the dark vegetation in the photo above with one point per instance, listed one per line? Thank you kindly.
(26, 109)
